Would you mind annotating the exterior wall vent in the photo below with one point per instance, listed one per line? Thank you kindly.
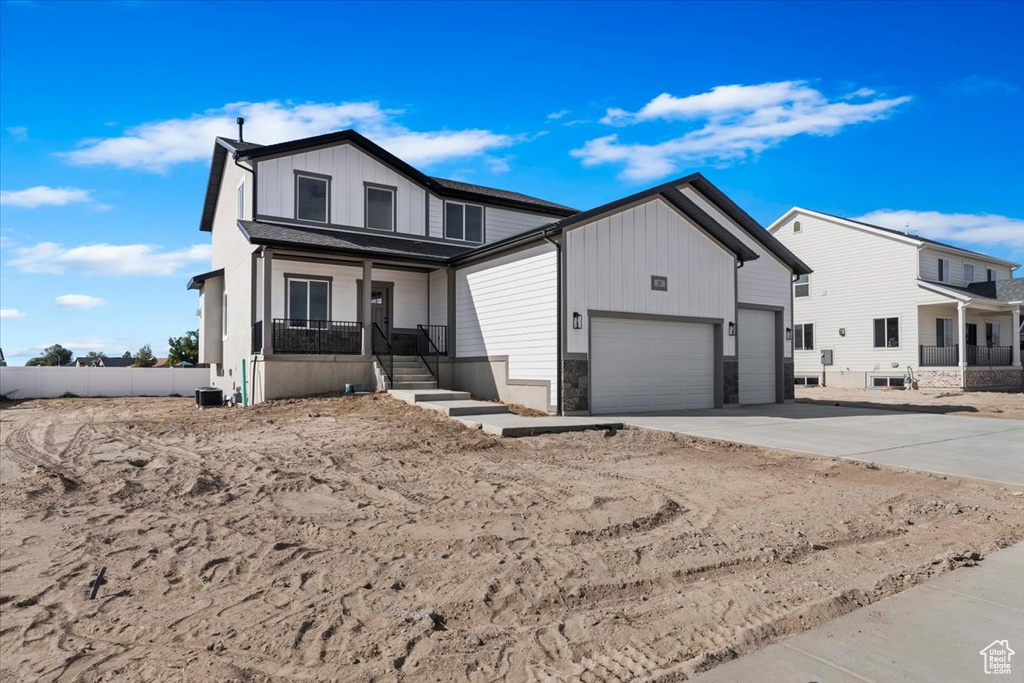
(796, 226)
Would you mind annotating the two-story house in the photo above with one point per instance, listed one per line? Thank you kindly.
(334, 262)
(891, 306)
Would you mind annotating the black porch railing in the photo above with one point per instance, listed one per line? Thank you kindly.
(989, 355)
(948, 356)
(316, 337)
(427, 350)
(384, 353)
(438, 335)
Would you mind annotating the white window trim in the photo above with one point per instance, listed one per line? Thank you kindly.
(808, 283)
(966, 266)
(899, 332)
(814, 332)
(942, 271)
(240, 200)
(444, 222)
(327, 196)
(991, 275)
(366, 206)
(288, 298)
(952, 332)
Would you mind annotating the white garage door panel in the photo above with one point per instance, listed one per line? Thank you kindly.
(648, 365)
(757, 356)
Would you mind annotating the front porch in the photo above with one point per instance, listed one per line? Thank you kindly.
(376, 318)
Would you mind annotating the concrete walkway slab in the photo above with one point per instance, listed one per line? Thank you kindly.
(464, 408)
(509, 425)
(932, 632)
(982, 448)
(413, 396)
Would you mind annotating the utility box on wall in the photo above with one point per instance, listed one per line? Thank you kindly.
(826, 356)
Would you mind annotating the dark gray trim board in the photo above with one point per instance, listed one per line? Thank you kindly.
(651, 316)
(759, 307)
(196, 281)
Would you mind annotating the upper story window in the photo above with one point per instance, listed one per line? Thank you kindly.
(943, 270)
(464, 222)
(380, 207)
(991, 275)
(309, 300)
(241, 200)
(968, 273)
(802, 286)
(803, 337)
(887, 333)
(311, 195)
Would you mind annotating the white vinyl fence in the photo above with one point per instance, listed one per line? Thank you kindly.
(50, 382)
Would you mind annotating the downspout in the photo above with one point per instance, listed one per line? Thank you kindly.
(558, 326)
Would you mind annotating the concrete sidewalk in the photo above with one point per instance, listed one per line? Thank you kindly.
(931, 633)
(983, 448)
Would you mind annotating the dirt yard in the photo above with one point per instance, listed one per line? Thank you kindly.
(360, 539)
(1007, 405)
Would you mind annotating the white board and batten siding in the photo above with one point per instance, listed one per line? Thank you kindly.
(611, 260)
(860, 275)
(508, 306)
(765, 280)
(349, 168)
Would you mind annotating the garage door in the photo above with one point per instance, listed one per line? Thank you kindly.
(647, 365)
(757, 356)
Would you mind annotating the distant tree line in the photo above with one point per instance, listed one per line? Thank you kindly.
(183, 350)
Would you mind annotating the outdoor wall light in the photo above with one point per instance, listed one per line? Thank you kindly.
(789, 333)
(842, 331)
(732, 329)
(577, 321)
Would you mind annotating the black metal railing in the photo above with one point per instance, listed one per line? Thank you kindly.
(385, 354)
(316, 337)
(257, 336)
(949, 356)
(438, 335)
(427, 350)
(939, 355)
(989, 355)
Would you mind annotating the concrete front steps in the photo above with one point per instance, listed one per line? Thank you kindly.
(450, 403)
(411, 374)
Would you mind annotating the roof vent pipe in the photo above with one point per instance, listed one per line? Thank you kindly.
(241, 122)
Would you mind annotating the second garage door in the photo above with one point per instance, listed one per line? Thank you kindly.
(651, 365)
(757, 356)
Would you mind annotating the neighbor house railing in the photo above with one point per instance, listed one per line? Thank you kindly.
(316, 337)
(948, 356)
(384, 353)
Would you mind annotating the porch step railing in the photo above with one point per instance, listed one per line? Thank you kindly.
(383, 352)
(316, 337)
(438, 335)
(949, 356)
(427, 350)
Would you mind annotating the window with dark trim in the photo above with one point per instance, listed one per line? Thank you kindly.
(464, 222)
(380, 208)
(309, 300)
(311, 195)
(888, 382)
(803, 337)
(887, 333)
(802, 286)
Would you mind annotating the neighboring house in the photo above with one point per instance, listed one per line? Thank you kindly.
(335, 262)
(104, 362)
(890, 304)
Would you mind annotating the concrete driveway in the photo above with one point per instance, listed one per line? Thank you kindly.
(983, 448)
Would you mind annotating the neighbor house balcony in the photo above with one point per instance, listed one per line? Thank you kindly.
(949, 356)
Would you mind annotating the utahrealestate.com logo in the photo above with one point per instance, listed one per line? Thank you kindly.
(997, 657)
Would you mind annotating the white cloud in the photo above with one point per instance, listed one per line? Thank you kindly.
(78, 302)
(158, 145)
(43, 195)
(560, 114)
(19, 133)
(106, 259)
(969, 228)
(730, 122)
(11, 313)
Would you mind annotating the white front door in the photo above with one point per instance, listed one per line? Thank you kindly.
(641, 365)
(756, 351)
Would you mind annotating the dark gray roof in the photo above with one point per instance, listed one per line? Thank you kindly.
(238, 145)
(197, 280)
(499, 194)
(910, 235)
(349, 241)
(1001, 290)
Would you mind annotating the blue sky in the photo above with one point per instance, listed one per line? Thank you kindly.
(909, 113)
